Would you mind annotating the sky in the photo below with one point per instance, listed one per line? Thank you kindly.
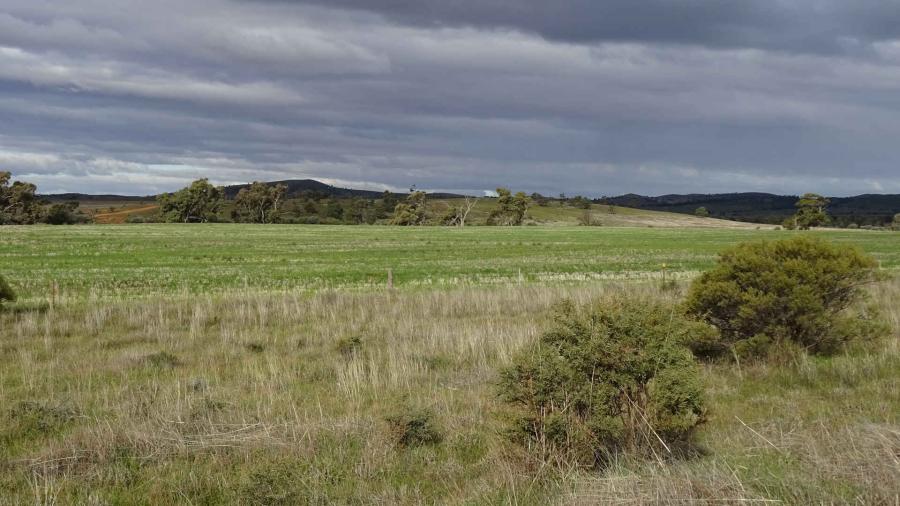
(584, 97)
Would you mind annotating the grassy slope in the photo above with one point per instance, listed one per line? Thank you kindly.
(142, 260)
(615, 216)
(242, 395)
(109, 212)
(248, 399)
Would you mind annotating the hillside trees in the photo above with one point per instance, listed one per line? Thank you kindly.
(258, 203)
(198, 203)
(18, 203)
(360, 211)
(896, 223)
(411, 212)
(387, 205)
(333, 210)
(510, 209)
(580, 202)
(702, 212)
(64, 213)
(540, 200)
(456, 215)
(811, 211)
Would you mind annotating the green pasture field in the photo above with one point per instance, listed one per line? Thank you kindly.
(144, 260)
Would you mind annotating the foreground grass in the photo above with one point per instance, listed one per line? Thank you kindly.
(252, 398)
(160, 260)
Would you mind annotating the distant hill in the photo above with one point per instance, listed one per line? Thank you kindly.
(295, 188)
(84, 197)
(766, 207)
(870, 209)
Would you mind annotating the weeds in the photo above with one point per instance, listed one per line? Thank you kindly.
(162, 360)
(349, 346)
(32, 418)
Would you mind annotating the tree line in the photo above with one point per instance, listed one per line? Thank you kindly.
(20, 205)
(265, 203)
(202, 202)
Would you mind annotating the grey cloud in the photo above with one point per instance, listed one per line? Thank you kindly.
(140, 97)
(810, 25)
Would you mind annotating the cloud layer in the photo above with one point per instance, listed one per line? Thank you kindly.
(573, 96)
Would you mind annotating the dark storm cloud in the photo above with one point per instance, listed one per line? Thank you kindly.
(812, 25)
(141, 97)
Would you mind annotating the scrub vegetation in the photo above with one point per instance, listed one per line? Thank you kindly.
(267, 364)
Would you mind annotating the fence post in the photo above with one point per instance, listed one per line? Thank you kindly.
(54, 293)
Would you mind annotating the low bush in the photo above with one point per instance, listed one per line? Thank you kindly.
(34, 418)
(144, 218)
(777, 295)
(161, 359)
(274, 484)
(255, 347)
(349, 346)
(6, 292)
(607, 378)
(411, 427)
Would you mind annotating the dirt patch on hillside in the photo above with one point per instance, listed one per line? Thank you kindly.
(118, 217)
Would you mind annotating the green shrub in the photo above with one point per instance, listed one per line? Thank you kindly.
(6, 292)
(37, 418)
(411, 427)
(278, 483)
(161, 359)
(349, 346)
(791, 292)
(608, 378)
(255, 347)
(144, 218)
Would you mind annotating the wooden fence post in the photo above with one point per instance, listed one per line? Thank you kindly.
(54, 293)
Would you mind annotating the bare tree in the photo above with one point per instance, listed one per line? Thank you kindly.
(465, 209)
(455, 216)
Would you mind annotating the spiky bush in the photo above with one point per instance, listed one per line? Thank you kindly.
(606, 378)
(411, 427)
(6, 292)
(774, 295)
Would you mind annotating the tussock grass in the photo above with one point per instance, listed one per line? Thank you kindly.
(170, 394)
(251, 400)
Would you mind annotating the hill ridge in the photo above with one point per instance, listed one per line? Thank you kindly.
(760, 207)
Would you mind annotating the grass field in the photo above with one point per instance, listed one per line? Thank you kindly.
(246, 364)
(147, 260)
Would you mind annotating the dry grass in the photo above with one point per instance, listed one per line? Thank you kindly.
(256, 398)
(122, 214)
